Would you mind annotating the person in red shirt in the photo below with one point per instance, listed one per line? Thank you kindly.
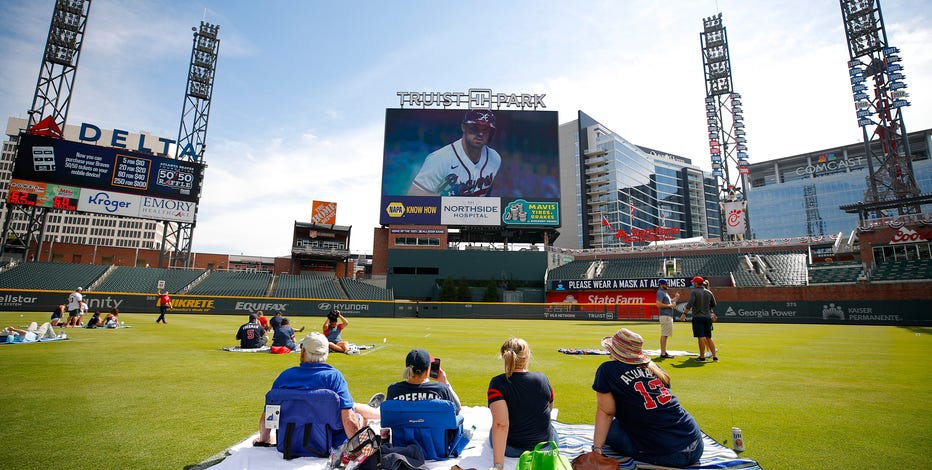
(165, 303)
(263, 321)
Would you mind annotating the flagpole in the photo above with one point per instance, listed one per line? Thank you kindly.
(601, 231)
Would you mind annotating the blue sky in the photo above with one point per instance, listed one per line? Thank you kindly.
(302, 86)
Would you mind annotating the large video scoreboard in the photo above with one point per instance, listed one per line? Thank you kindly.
(429, 179)
(73, 176)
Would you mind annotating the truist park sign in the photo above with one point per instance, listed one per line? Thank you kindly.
(474, 98)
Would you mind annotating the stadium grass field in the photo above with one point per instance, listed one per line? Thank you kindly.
(165, 396)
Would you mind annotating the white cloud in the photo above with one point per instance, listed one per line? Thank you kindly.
(253, 196)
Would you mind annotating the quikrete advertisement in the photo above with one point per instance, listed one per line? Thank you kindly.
(46, 301)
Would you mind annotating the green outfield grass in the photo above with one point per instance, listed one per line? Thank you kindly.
(165, 396)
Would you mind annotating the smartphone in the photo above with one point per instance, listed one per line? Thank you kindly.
(435, 368)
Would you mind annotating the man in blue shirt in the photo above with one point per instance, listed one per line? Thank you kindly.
(667, 305)
(313, 373)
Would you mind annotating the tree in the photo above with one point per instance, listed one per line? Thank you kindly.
(491, 291)
(448, 290)
(463, 294)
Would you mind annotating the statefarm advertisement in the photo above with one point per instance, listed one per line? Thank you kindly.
(639, 294)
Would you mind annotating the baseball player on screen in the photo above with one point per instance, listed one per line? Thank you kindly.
(466, 167)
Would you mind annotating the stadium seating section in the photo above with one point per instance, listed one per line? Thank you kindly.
(361, 290)
(305, 286)
(835, 273)
(903, 270)
(233, 283)
(785, 268)
(103, 278)
(130, 279)
(51, 276)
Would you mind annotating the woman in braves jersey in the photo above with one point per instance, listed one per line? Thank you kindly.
(466, 167)
(636, 415)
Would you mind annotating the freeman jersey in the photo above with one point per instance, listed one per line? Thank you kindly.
(448, 171)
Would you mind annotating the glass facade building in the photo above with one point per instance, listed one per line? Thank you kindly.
(801, 195)
(619, 186)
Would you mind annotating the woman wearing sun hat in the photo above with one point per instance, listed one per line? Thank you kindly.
(636, 415)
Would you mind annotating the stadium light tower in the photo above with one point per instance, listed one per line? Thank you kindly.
(192, 133)
(60, 64)
(50, 103)
(879, 111)
(727, 139)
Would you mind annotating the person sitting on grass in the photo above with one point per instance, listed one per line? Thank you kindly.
(113, 318)
(263, 321)
(284, 336)
(417, 385)
(95, 321)
(57, 315)
(333, 329)
(636, 415)
(520, 402)
(276, 321)
(313, 373)
(251, 335)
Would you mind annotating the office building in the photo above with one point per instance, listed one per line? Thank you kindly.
(801, 195)
(615, 193)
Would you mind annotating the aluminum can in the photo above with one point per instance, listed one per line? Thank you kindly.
(737, 439)
(385, 435)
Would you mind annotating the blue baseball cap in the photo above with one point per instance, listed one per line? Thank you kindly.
(419, 360)
(662, 281)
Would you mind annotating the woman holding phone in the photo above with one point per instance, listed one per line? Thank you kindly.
(419, 368)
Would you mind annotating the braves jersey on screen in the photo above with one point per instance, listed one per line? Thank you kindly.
(448, 171)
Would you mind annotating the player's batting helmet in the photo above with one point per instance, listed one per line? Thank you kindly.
(482, 117)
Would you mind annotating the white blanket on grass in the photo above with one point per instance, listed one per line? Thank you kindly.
(574, 440)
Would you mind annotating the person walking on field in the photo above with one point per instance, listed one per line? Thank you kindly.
(667, 306)
(701, 301)
(164, 303)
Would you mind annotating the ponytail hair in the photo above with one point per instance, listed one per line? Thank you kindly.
(516, 353)
(658, 372)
